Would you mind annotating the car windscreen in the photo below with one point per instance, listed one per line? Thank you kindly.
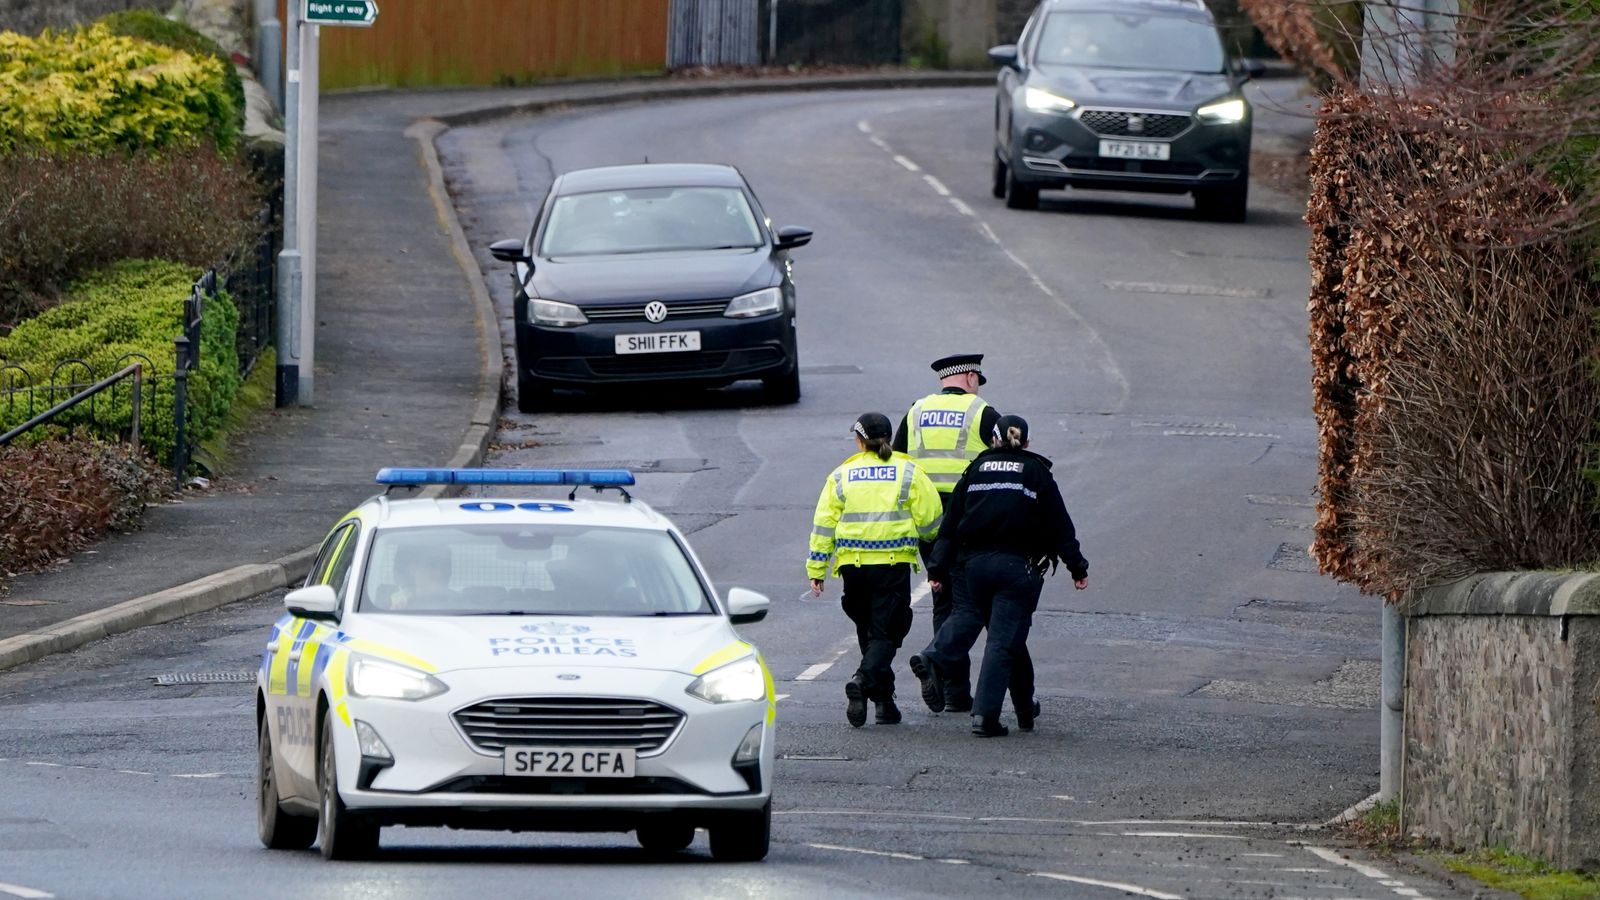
(504, 569)
(1130, 41)
(650, 220)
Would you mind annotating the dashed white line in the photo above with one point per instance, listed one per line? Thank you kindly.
(865, 126)
(202, 775)
(937, 185)
(921, 593)
(907, 164)
(1113, 885)
(1376, 874)
(1264, 855)
(879, 143)
(1184, 834)
(28, 893)
(961, 207)
(812, 673)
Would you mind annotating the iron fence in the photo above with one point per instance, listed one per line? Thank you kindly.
(832, 32)
(253, 285)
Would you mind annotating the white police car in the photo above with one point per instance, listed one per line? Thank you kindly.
(550, 665)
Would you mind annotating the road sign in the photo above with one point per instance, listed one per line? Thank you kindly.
(360, 13)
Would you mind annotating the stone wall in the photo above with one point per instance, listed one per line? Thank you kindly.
(33, 16)
(1501, 736)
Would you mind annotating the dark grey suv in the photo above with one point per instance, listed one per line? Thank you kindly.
(1127, 95)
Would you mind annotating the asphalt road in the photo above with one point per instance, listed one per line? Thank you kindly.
(1207, 695)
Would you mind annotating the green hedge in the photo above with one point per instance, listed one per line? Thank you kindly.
(149, 25)
(134, 306)
(91, 90)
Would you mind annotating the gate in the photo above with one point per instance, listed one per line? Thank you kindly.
(713, 33)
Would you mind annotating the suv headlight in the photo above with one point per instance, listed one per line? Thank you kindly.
(555, 314)
(759, 303)
(388, 681)
(1224, 112)
(1044, 101)
(738, 681)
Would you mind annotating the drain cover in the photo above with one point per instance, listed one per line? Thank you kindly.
(176, 678)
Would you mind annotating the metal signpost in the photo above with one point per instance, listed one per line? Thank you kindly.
(297, 263)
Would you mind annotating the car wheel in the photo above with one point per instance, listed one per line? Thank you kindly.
(784, 388)
(1223, 204)
(344, 834)
(743, 836)
(1018, 194)
(997, 184)
(532, 395)
(278, 829)
(665, 837)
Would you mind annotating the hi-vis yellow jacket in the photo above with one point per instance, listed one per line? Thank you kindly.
(942, 435)
(872, 512)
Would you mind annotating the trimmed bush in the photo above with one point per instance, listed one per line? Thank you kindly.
(132, 307)
(94, 90)
(149, 25)
(64, 215)
(58, 497)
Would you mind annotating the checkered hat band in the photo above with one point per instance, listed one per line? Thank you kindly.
(957, 370)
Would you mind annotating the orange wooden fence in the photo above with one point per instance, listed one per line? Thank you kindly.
(416, 43)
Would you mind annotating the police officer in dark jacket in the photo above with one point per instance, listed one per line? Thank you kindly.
(1005, 527)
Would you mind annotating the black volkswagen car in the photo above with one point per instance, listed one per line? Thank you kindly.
(651, 273)
(1128, 95)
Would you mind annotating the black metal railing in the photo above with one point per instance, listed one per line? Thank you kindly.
(253, 285)
(133, 374)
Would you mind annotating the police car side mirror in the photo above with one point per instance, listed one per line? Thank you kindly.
(315, 602)
(747, 606)
(509, 250)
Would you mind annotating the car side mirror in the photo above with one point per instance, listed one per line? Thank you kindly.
(315, 602)
(792, 236)
(1250, 68)
(509, 250)
(1004, 55)
(747, 606)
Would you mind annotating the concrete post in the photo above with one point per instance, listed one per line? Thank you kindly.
(289, 262)
(309, 73)
(1391, 712)
(269, 59)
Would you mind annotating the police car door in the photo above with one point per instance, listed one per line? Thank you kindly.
(308, 646)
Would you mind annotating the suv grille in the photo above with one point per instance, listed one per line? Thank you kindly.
(1119, 123)
(642, 725)
(674, 311)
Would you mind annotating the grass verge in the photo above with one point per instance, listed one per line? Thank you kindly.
(257, 393)
(1532, 878)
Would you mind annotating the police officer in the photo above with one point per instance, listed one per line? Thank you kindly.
(944, 432)
(874, 510)
(1006, 525)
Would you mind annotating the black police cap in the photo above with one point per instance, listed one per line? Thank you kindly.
(961, 362)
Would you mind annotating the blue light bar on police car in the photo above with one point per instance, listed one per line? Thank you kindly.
(528, 477)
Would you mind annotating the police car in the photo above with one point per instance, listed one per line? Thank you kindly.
(530, 665)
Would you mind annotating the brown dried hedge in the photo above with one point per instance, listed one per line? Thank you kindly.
(59, 497)
(1452, 337)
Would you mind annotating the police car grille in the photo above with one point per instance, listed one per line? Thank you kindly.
(569, 722)
(1117, 123)
(636, 313)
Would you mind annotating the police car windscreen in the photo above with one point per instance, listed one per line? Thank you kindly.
(1123, 41)
(550, 570)
(650, 220)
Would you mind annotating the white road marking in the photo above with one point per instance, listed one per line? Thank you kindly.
(779, 698)
(879, 143)
(961, 207)
(1266, 855)
(907, 164)
(1376, 874)
(889, 853)
(1196, 823)
(937, 185)
(1113, 885)
(812, 673)
(17, 890)
(202, 775)
(923, 591)
(989, 233)
(1184, 834)
(1306, 870)
(869, 812)
(47, 765)
(865, 126)
(133, 772)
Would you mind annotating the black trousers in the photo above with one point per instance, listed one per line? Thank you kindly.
(878, 600)
(958, 674)
(997, 591)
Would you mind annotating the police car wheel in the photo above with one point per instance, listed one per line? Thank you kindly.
(345, 835)
(665, 837)
(278, 829)
(742, 836)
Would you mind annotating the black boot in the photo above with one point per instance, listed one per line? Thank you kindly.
(1026, 713)
(888, 713)
(988, 726)
(956, 699)
(932, 684)
(855, 712)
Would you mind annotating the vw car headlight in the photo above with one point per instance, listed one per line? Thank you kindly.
(759, 303)
(388, 681)
(738, 681)
(1223, 112)
(1044, 101)
(555, 313)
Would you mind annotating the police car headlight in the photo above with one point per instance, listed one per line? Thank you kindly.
(760, 303)
(1044, 101)
(1226, 112)
(555, 314)
(736, 682)
(387, 681)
